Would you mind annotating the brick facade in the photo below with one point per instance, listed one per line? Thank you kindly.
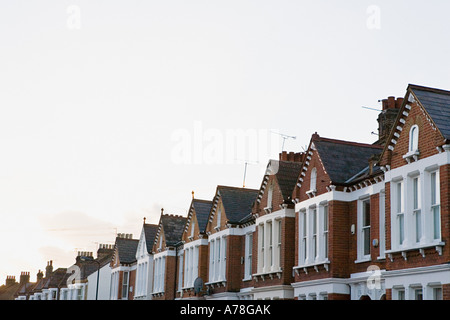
(322, 215)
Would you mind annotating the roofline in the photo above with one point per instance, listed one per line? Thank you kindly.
(234, 188)
(435, 90)
(352, 143)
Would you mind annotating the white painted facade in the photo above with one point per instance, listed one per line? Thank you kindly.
(144, 271)
(104, 284)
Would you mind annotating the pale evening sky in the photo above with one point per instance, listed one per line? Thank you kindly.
(110, 110)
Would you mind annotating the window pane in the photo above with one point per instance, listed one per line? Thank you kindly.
(366, 214)
(437, 293)
(325, 218)
(436, 222)
(433, 188)
(416, 193)
(401, 228)
(418, 294)
(418, 225)
(399, 197)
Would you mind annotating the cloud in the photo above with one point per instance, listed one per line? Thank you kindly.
(77, 230)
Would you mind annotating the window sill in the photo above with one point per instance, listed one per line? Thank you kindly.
(315, 265)
(270, 274)
(158, 294)
(411, 155)
(217, 283)
(268, 209)
(421, 248)
(311, 193)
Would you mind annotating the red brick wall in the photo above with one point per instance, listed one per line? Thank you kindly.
(277, 197)
(446, 292)
(374, 234)
(234, 273)
(428, 138)
(339, 232)
(132, 283)
(323, 180)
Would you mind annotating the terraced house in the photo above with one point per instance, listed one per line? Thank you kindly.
(343, 220)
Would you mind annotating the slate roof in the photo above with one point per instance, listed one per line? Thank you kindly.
(8, 292)
(126, 249)
(344, 159)
(150, 231)
(173, 226)
(237, 202)
(57, 279)
(437, 104)
(287, 176)
(202, 209)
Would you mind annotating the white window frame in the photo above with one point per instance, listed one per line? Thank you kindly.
(413, 144)
(363, 229)
(398, 220)
(303, 237)
(217, 258)
(435, 204)
(313, 180)
(325, 230)
(270, 196)
(125, 285)
(416, 204)
(248, 256)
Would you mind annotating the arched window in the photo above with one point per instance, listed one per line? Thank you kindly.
(313, 181)
(414, 138)
(270, 196)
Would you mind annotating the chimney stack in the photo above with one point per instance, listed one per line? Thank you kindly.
(10, 280)
(104, 250)
(291, 156)
(390, 108)
(39, 275)
(24, 277)
(49, 269)
(125, 235)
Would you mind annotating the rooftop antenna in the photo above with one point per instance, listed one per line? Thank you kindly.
(247, 162)
(372, 109)
(284, 137)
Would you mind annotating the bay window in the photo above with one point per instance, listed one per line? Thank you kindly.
(313, 235)
(217, 259)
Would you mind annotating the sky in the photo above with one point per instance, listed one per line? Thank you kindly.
(112, 110)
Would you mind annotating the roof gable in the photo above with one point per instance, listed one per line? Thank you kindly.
(342, 160)
(429, 110)
(126, 250)
(170, 230)
(236, 202)
(285, 174)
(149, 232)
(337, 163)
(436, 102)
